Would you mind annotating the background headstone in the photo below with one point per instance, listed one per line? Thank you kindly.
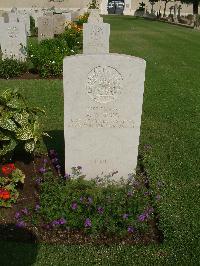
(102, 113)
(96, 35)
(59, 23)
(12, 17)
(45, 28)
(25, 18)
(14, 41)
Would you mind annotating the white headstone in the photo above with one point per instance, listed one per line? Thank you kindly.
(96, 35)
(1, 19)
(12, 17)
(14, 41)
(59, 23)
(102, 114)
(45, 28)
(68, 16)
(25, 18)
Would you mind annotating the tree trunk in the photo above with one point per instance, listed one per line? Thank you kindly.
(195, 7)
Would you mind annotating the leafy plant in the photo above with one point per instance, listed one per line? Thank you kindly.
(19, 123)
(10, 68)
(47, 56)
(82, 19)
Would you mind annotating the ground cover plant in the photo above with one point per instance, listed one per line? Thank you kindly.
(168, 145)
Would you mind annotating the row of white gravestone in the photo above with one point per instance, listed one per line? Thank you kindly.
(13, 40)
(103, 96)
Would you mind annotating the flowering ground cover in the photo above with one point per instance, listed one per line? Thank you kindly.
(169, 148)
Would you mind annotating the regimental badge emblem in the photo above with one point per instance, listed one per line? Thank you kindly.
(104, 84)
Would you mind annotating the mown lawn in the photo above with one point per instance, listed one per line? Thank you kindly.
(170, 130)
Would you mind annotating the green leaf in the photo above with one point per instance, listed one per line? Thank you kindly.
(29, 146)
(7, 124)
(24, 133)
(8, 147)
(21, 118)
(16, 103)
(4, 137)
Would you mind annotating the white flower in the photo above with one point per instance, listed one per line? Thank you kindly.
(32, 55)
(72, 51)
(53, 62)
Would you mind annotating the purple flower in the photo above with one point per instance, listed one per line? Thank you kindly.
(55, 222)
(42, 170)
(17, 215)
(52, 153)
(54, 160)
(131, 229)
(62, 221)
(88, 223)
(150, 210)
(38, 181)
(45, 161)
(25, 211)
(90, 200)
(125, 216)
(100, 210)
(67, 176)
(81, 199)
(142, 217)
(147, 193)
(130, 193)
(20, 224)
(74, 205)
(37, 207)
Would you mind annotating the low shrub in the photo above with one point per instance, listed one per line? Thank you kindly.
(10, 68)
(82, 19)
(19, 123)
(47, 56)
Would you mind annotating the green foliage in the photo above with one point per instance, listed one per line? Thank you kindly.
(110, 207)
(47, 56)
(19, 123)
(10, 68)
(82, 19)
(33, 29)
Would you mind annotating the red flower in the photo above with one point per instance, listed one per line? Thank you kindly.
(4, 194)
(8, 168)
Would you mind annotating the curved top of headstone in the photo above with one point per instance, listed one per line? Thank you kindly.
(131, 57)
(94, 16)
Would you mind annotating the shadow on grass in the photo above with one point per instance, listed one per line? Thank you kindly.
(18, 246)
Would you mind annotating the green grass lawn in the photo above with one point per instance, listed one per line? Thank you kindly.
(170, 127)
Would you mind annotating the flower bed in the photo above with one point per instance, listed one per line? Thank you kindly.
(70, 209)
